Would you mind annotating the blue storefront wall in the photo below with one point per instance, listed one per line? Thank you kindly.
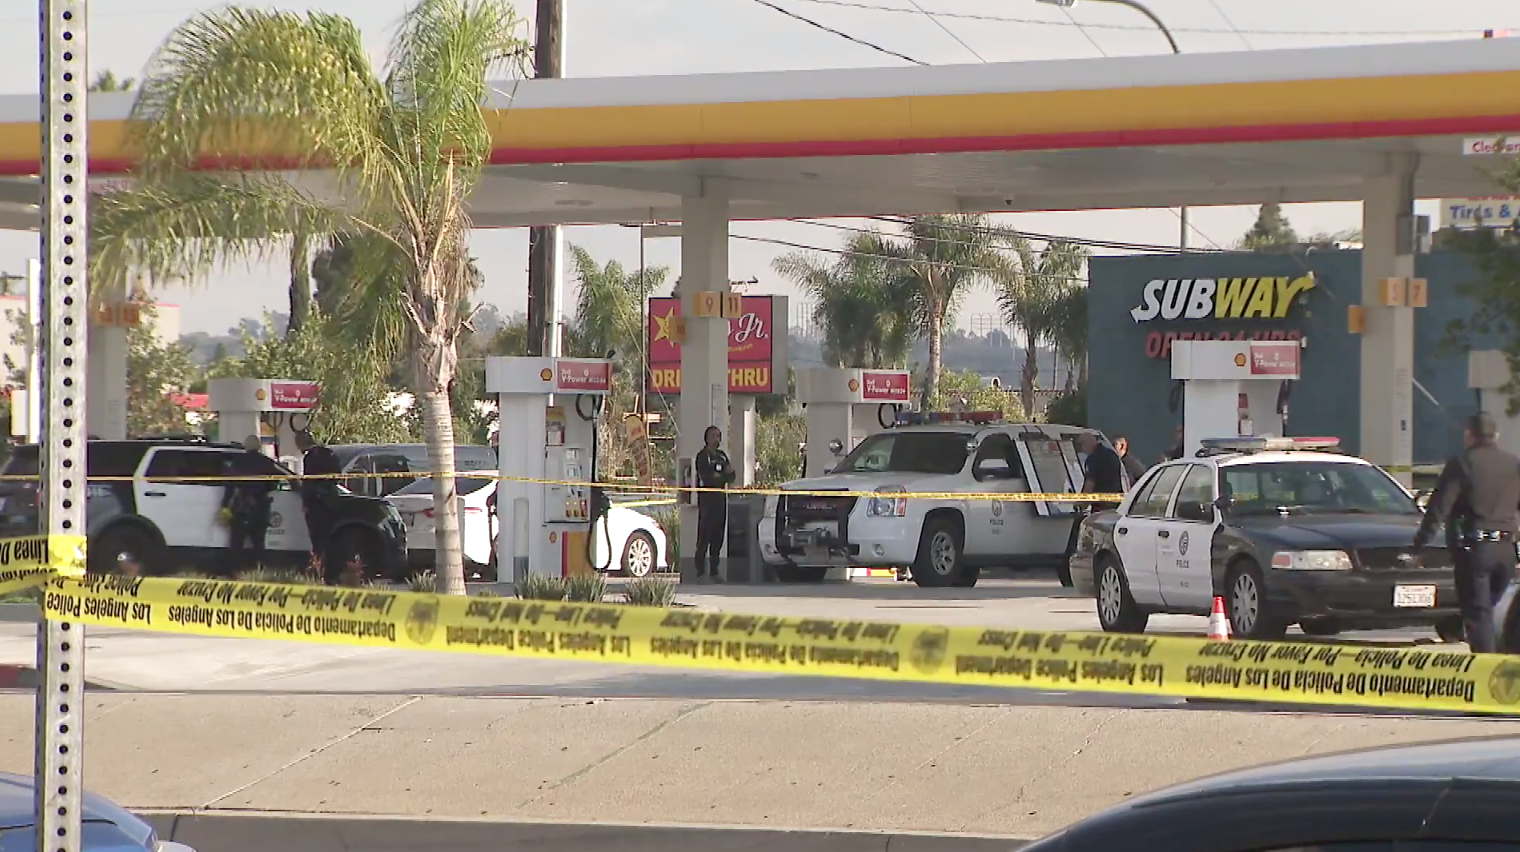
(1128, 391)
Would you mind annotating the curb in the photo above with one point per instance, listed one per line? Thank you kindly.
(18, 613)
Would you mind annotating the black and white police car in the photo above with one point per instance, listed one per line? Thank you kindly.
(147, 503)
(1285, 530)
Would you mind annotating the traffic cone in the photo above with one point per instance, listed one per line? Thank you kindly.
(1219, 625)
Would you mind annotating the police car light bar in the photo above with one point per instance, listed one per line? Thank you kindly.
(925, 418)
(1245, 444)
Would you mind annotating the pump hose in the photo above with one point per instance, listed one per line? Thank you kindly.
(600, 506)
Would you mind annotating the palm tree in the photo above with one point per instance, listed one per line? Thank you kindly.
(938, 259)
(866, 320)
(106, 81)
(396, 155)
(609, 312)
(1069, 331)
(1031, 295)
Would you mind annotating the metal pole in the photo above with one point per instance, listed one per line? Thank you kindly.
(59, 739)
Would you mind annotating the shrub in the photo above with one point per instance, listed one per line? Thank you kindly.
(275, 575)
(669, 519)
(537, 587)
(650, 591)
(587, 588)
(424, 581)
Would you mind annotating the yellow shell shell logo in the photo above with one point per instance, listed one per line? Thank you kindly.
(854, 386)
(1240, 359)
(259, 394)
(546, 374)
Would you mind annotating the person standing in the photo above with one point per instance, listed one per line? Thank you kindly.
(715, 472)
(1132, 465)
(246, 502)
(1177, 450)
(317, 460)
(1478, 495)
(1102, 473)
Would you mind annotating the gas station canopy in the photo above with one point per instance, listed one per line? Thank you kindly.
(1297, 125)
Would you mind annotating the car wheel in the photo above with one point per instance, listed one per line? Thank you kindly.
(1063, 573)
(1117, 610)
(801, 573)
(968, 576)
(125, 549)
(353, 555)
(1451, 630)
(939, 554)
(638, 555)
(1320, 627)
(1246, 604)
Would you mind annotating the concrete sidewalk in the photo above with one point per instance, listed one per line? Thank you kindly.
(996, 770)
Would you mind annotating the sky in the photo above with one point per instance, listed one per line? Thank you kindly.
(607, 38)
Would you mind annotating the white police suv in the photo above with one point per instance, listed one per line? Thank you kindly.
(860, 512)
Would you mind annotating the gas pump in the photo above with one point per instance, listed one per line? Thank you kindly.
(1234, 387)
(273, 409)
(844, 406)
(546, 501)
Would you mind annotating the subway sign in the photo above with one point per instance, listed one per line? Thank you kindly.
(1220, 298)
(1218, 309)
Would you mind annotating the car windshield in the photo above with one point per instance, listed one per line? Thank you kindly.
(1313, 487)
(908, 452)
(464, 484)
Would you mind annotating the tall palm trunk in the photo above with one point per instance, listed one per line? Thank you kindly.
(936, 356)
(433, 364)
(300, 281)
(1028, 376)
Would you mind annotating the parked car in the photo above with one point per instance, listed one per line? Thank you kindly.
(1433, 797)
(106, 827)
(638, 544)
(399, 464)
(154, 503)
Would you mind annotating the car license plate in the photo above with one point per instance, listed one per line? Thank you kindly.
(1414, 596)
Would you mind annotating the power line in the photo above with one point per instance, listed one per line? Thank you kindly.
(1039, 22)
(844, 35)
(1219, 10)
(949, 32)
(1057, 238)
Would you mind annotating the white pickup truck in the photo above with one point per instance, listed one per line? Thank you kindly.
(937, 541)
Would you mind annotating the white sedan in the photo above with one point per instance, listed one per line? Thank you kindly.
(638, 544)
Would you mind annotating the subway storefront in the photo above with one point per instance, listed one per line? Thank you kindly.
(1140, 305)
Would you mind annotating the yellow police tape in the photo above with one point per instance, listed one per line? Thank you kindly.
(1406, 679)
(33, 560)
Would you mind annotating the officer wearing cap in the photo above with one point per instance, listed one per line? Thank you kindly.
(1478, 495)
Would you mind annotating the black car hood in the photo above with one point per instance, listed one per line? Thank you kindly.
(1331, 532)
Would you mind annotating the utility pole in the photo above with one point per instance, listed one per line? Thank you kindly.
(545, 246)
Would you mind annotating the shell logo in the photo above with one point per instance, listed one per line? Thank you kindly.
(260, 394)
(546, 374)
(1240, 359)
(854, 385)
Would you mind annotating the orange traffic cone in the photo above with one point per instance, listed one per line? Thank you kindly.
(1219, 625)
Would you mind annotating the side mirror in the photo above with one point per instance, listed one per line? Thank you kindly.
(1222, 503)
(1422, 499)
(836, 447)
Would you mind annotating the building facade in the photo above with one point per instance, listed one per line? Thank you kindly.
(1139, 304)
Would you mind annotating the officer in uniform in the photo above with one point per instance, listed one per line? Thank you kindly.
(1478, 495)
(246, 504)
(714, 471)
(317, 460)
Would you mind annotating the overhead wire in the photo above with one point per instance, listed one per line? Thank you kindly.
(1031, 235)
(842, 252)
(1046, 22)
(949, 32)
(1219, 10)
(840, 33)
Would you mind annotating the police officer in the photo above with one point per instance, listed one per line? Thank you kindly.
(716, 472)
(246, 504)
(317, 460)
(1478, 495)
(1102, 473)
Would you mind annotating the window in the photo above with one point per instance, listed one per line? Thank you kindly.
(997, 458)
(1197, 490)
(940, 453)
(464, 485)
(1153, 503)
(1313, 487)
(197, 467)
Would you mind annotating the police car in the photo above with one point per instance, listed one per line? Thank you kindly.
(137, 511)
(1285, 530)
(937, 541)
